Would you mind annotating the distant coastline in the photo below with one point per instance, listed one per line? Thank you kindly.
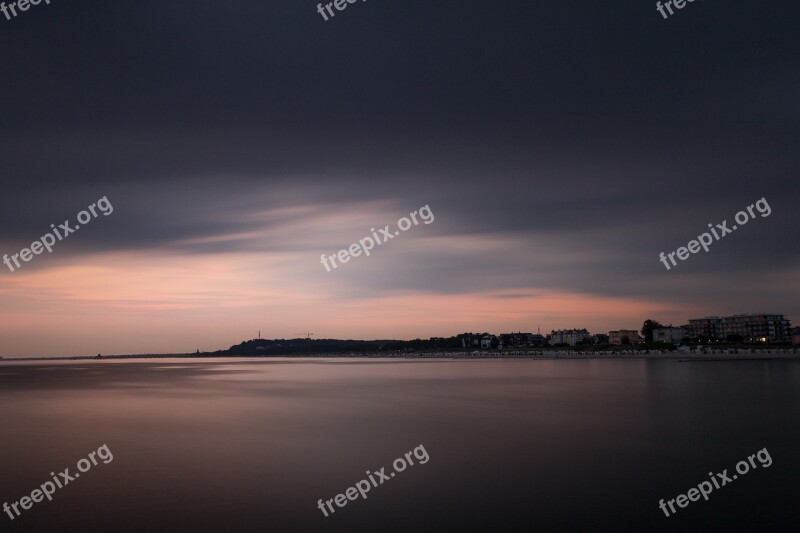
(735, 354)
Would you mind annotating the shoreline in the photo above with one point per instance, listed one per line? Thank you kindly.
(790, 354)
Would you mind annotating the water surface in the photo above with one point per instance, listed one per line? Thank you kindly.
(517, 445)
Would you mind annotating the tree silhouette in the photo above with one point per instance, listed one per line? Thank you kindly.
(648, 327)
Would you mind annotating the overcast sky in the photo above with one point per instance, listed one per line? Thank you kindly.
(561, 146)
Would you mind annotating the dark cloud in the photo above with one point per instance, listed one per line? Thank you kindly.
(585, 136)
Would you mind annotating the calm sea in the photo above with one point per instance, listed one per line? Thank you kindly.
(513, 445)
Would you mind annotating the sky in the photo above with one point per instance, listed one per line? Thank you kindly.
(559, 146)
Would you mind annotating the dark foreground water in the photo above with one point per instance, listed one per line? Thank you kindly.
(252, 445)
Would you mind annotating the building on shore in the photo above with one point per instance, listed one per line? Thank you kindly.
(520, 339)
(537, 340)
(753, 327)
(668, 334)
(795, 337)
(757, 327)
(489, 341)
(709, 326)
(623, 336)
(568, 336)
